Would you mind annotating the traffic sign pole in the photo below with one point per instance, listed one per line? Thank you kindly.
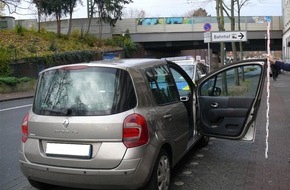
(208, 56)
(207, 39)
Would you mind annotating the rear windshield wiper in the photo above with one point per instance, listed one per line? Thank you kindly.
(54, 112)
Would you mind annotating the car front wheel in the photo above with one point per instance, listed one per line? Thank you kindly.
(160, 178)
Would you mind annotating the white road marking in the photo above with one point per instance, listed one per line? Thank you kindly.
(17, 107)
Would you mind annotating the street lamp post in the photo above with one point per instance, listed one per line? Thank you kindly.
(123, 44)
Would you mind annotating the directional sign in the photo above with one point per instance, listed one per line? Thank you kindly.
(231, 36)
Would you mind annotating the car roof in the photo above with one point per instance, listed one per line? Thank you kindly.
(116, 63)
(182, 60)
(179, 58)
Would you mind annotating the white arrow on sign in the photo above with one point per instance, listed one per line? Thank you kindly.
(230, 36)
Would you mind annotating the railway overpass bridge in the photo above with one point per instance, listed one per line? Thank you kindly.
(171, 35)
(167, 36)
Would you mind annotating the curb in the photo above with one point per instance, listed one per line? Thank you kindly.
(15, 98)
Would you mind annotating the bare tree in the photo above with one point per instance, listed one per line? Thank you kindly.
(40, 11)
(240, 5)
(2, 6)
(11, 5)
(108, 11)
(134, 13)
(197, 13)
(71, 4)
(46, 18)
(58, 8)
(221, 25)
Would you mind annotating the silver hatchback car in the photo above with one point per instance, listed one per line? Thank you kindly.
(124, 124)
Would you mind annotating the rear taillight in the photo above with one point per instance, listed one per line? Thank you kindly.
(24, 128)
(135, 131)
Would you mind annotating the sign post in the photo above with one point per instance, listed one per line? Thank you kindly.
(207, 39)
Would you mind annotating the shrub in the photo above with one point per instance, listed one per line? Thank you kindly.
(64, 58)
(125, 42)
(11, 81)
(31, 48)
(5, 56)
(89, 39)
(24, 79)
(52, 46)
(19, 29)
(75, 34)
(130, 47)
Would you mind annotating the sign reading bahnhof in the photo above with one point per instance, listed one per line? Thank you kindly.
(230, 36)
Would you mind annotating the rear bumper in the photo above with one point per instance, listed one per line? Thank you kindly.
(84, 178)
(130, 174)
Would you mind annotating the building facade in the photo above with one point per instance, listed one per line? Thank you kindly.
(286, 30)
(7, 22)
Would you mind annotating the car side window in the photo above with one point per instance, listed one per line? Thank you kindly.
(162, 85)
(235, 82)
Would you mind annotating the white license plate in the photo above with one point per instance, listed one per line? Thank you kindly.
(68, 150)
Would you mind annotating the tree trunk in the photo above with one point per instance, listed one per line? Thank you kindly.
(239, 28)
(100, 23)
(234, 48)
(240, 43)
(90, 19)
(221, 26)
(58, 21)
(233, 28)
(69, 23)
(39, 15)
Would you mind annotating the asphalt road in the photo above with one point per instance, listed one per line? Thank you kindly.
(11, 115)
(222, 165)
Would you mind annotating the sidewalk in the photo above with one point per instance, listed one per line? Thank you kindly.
(237, 165)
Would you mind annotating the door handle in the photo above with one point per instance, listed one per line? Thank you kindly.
(214, 105)
(167, 116)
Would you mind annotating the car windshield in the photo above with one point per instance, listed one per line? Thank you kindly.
(84, 91)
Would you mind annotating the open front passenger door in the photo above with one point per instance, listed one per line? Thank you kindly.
(228, 100)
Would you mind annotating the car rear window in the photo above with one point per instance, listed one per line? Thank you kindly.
(84, 91)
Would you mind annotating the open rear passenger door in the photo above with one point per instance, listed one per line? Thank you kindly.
(229, 99)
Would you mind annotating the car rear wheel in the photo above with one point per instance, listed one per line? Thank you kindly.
(203, 142)
(160, 178)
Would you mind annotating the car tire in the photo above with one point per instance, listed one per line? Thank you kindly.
(160, 177)
(203, 142)
(39, 185)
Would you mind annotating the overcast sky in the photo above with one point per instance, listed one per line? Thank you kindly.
(175, 8)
